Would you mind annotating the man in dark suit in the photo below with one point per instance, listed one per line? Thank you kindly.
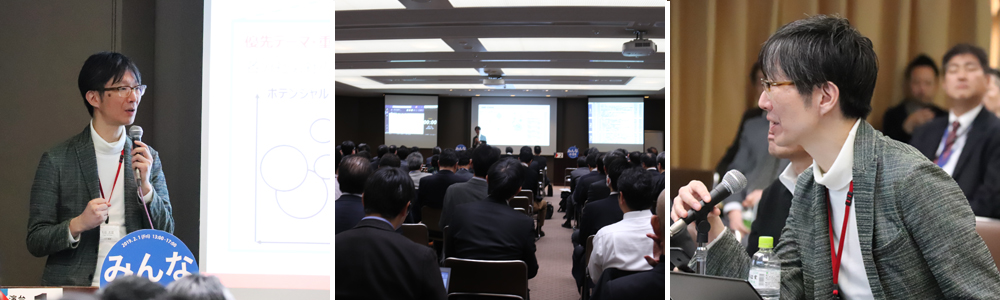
(531, 183)
(599, 189)
(353, 173)
(966, 143)
(921, 80)
(645, 284)
(432, 188)
(435, 151)
(473, 190)
(77, 198)
(542, 164)
(491, 229)
(659, 181)
(464, 158)
(776, 200)
(478, 139)
(375, 262)
(382, 150)
(649, 163)
(598, 213)
(581, 169)
(583, 184)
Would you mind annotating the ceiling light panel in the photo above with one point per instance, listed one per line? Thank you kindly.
(406, 72)
(559, 44)
(342, 5)
(539, 3)
(392, 46)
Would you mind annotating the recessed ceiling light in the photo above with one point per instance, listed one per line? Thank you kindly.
(560, 44)
(647, 97)
(477, 95)
(392, 46)
(512, 95)
(548, 95)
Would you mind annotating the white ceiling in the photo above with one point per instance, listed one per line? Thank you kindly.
(544, 47)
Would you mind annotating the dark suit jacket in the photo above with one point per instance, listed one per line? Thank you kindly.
(659, 183)
(598, 190)
(575, 176)
(892, 122)
(977, 170)
(531, 179)
(432, 189)
(583, 186)
(66, 180)
(642, 285)
(492, 230)
(771, 214)
(597, 214)
(461, 193)
(464, 174)
(375, 262)
(349, 212)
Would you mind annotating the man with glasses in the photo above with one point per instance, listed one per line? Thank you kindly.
(905, 230)
(966, 142)
(85, 196)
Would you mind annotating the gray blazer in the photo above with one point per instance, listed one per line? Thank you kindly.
(66, 180)
(917, 233)
(461, 193)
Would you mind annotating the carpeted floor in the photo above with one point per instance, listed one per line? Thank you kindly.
(554, 253)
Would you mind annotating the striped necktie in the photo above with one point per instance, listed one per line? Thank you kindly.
(948, 142)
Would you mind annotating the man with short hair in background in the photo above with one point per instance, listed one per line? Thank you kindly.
(352, 175)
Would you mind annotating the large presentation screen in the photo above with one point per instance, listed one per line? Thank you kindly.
(614, 123)
(267, 176)
(516, 122)
(411, 120)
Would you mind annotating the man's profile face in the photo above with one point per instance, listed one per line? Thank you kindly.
(992, 98)
(789, 117)
(964, 79)
(783, 152)
(923, 84)
(117, 109)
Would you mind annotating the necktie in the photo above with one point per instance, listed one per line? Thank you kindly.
(948, 142)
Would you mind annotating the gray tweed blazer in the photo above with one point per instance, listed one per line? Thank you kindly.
(66, 180)
(917, 232)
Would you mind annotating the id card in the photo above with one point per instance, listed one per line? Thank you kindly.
(110, 234)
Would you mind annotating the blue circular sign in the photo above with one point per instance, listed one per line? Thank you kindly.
(154, 254)
(572, 152)
(460, 147)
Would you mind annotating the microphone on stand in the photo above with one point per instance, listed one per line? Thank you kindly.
(733, 182)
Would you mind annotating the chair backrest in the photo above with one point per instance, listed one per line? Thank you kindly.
(989, 230)
(521, 202)
(526, 193)
(415, 232)
(502, 277)
(431, 217)
(587, 250)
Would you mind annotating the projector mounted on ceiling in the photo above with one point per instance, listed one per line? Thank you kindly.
(494, 82)
(639, 46)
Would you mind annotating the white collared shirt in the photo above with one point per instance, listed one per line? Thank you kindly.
(788, 178)
(853, 279)
(965, 124)
(622, 245)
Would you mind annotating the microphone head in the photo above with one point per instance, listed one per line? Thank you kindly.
(734, 181)
(135, 133)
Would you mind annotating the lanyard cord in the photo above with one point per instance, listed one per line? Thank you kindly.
(835, 254)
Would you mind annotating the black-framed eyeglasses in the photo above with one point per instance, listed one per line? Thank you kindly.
(125, 90)
(768, 84)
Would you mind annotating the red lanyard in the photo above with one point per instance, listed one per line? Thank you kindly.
(100, 186)
(836, 253)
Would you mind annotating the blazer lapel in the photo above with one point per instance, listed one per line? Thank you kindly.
(972, 142)
(820, 250)
(863, 172)
(87, 159)
(930, 147)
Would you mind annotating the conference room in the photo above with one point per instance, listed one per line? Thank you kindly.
(533, 85)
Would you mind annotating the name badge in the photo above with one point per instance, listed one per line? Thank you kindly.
(111, 233)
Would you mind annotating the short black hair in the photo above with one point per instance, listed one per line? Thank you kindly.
(364, 154)
(448, 158)
(99, 69)
(464, 157)
(347, 147)
(132, 287)
(635, 158)
(820, 49)
(505, 179)
(661, 160)
(600, 163)
(984, 61)
(363, 147)
(509, 150)
(636, 186)
(483, 158)
(592, 150)
(436, 150)
(648, 160)
(477, 128)
(592, 159)
(414, 149)
(581, 161)
(354, 171)
(382, 150)
(392, 149)
(652, 150)
(414, 161)
(387, 192)
(921, 60)
(615, 164)
(538, 150)
(402, 152)
(197, 287)
(435, 161)
(525, 154)
(390, 160)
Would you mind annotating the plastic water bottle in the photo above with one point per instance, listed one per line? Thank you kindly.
(765, 271)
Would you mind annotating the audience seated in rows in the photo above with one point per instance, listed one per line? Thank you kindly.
(646, 284)
(464, 158)
(375, 262)
(491, 229)
(414, 162)
(530, 182)
(597, 214)
(624, 245)
(433, 187)
(473, 190)
(389, 160)
(354, 171)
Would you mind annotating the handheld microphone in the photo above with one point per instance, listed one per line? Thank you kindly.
(135, 132)
(733, 182)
